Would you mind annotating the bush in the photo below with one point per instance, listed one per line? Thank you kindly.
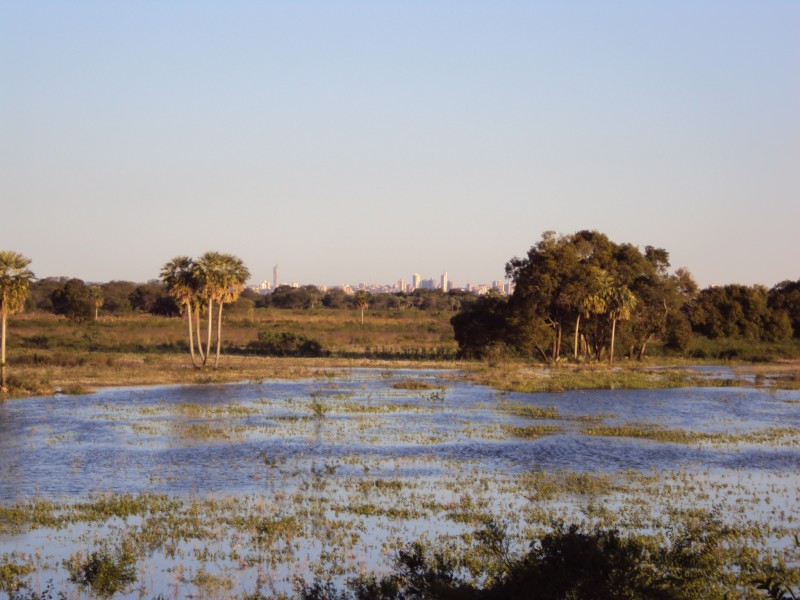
(283, 343)
(700, 560)
(105, 571)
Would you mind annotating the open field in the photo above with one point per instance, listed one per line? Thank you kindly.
(395, 333)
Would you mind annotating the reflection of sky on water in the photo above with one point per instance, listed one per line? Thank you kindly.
(145, 439)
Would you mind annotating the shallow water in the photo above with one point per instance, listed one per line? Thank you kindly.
(318, 451)
(213, 438)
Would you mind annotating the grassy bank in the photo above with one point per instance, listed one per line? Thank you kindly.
(517, 376)
(49, 354)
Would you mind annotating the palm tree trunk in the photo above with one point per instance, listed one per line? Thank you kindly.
(577, 329)
(210, 321)
(3, 356)
(199, 338)
(613, 331)
(191, 339)
(219, 334)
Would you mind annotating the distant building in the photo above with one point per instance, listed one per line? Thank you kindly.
(427, 284)
(444, 281)
(275, 277)
(416, 281)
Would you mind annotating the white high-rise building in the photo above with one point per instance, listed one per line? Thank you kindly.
(275, 277)
(416, 280)
(444, 281)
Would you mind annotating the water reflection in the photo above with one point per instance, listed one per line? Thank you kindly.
(234, 438)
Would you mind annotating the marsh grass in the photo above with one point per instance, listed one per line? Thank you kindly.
(531, 411)
(683, 436)
(533, 431)
(318, 407)
(518, 377)
(12, 575)
(415, 384)
(540, 486)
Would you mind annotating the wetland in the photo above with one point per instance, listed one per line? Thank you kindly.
(259, 488)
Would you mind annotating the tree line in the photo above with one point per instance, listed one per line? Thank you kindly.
(584, 296)
(81, 302)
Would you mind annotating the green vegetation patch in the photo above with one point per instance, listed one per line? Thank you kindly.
(683, 436)
(532, 412)
(540, 486)
(533, 431)
(415, 384)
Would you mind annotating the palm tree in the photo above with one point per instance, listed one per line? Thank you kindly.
(362, 298)
(15, 278)
(592, 299)
(621, 302)
(180, 278)
(211, 288)
(233, 276)
(96, 294)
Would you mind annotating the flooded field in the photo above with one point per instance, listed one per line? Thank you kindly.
(228, 490)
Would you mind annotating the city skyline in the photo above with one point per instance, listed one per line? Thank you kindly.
(417, 281)
(317, 136)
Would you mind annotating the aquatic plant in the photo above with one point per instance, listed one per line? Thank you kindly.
(105, 571)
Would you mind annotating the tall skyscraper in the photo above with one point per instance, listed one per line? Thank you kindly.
(275, 277)
(416, 280)
(444, 281)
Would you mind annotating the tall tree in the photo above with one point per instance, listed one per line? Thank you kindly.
(209, 268)
(180, 278)
(620, 302)
(96, 294)
(593, 302)
(233, 277)
(362, 299)
(221, 278)
(15, 278)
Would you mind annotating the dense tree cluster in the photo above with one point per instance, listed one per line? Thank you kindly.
(742, 312)
(310, 297)
(586, 296)
(81, 302)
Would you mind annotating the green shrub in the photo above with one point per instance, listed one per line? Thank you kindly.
(284, 343)
(105, 571)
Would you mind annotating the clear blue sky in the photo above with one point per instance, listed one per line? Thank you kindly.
(364, 141)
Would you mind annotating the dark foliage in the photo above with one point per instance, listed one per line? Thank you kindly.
(481, 325)
(699, 561)
(283, 343)
(152, 297)
(73, 300)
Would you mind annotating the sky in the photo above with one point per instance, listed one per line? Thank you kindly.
(366, 141)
